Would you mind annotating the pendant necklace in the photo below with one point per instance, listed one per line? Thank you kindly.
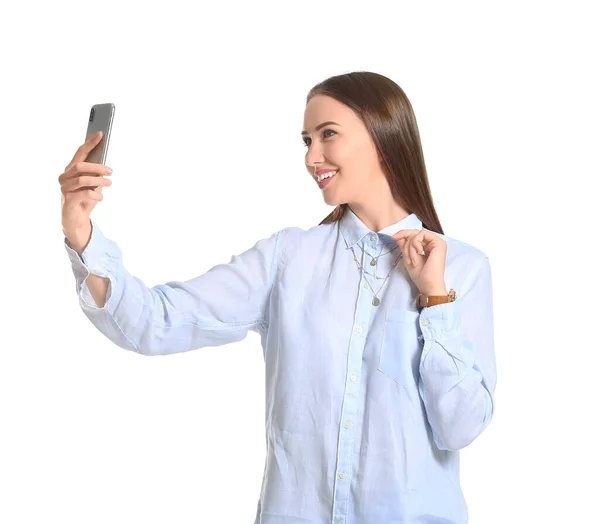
(374, 259)
(376, 300)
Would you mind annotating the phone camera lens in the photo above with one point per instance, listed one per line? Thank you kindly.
(92, 114)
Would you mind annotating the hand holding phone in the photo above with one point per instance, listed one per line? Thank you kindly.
(79, 197)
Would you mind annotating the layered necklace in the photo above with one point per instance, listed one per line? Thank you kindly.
(373, 262)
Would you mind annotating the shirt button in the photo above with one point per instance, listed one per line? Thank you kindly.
(353, 378)
(358, 329)
(425, 322)
(342, 475)
(366, 284)
(373, 237)
(347, 425)
(338, 522)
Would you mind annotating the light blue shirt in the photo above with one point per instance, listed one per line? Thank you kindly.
(367, 406)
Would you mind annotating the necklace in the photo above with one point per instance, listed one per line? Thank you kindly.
(374, 259)
(376, 300)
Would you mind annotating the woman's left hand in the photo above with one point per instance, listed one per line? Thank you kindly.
(426, 271)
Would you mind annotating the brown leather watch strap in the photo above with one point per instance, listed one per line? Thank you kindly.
(434, 300)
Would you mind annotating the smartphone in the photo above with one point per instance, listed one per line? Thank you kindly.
(101, 119)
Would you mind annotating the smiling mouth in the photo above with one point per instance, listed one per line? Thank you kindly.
(326, 176)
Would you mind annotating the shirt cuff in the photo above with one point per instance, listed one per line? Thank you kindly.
(100, 257)
(440, 322)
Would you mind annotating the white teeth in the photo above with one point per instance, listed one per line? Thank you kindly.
(322, 177)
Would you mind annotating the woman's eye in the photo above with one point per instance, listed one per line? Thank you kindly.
(305, 140)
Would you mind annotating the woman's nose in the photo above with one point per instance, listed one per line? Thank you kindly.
(313, 158)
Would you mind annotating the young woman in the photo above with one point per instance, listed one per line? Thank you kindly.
(376, 328)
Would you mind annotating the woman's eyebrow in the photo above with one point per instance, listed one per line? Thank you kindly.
(320, 126)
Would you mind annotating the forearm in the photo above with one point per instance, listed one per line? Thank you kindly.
(455, 393)
(97, 285)
(457, 368)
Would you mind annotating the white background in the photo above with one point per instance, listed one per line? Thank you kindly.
(208, 158)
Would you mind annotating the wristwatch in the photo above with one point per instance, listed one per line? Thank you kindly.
(434, 300)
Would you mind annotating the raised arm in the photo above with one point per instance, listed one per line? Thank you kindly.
(213, 309)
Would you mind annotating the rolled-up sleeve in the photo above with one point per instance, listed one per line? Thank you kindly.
(213, 309)
(458, 368)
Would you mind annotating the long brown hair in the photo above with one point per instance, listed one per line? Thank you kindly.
(389, 118)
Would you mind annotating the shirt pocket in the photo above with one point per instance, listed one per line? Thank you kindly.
(400, 351)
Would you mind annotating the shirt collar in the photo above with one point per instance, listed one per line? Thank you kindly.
(354, 230)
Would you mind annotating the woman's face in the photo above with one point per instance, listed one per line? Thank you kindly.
(343, 145)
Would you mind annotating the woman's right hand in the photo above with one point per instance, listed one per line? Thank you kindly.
(77, 184)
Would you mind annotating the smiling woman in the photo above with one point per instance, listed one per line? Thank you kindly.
(370, 394)
(362, 125)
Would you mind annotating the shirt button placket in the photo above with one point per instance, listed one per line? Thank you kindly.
(346, 438)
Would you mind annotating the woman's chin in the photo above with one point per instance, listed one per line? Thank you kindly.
(331, 200)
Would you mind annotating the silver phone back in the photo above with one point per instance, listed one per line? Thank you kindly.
(100, 119)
